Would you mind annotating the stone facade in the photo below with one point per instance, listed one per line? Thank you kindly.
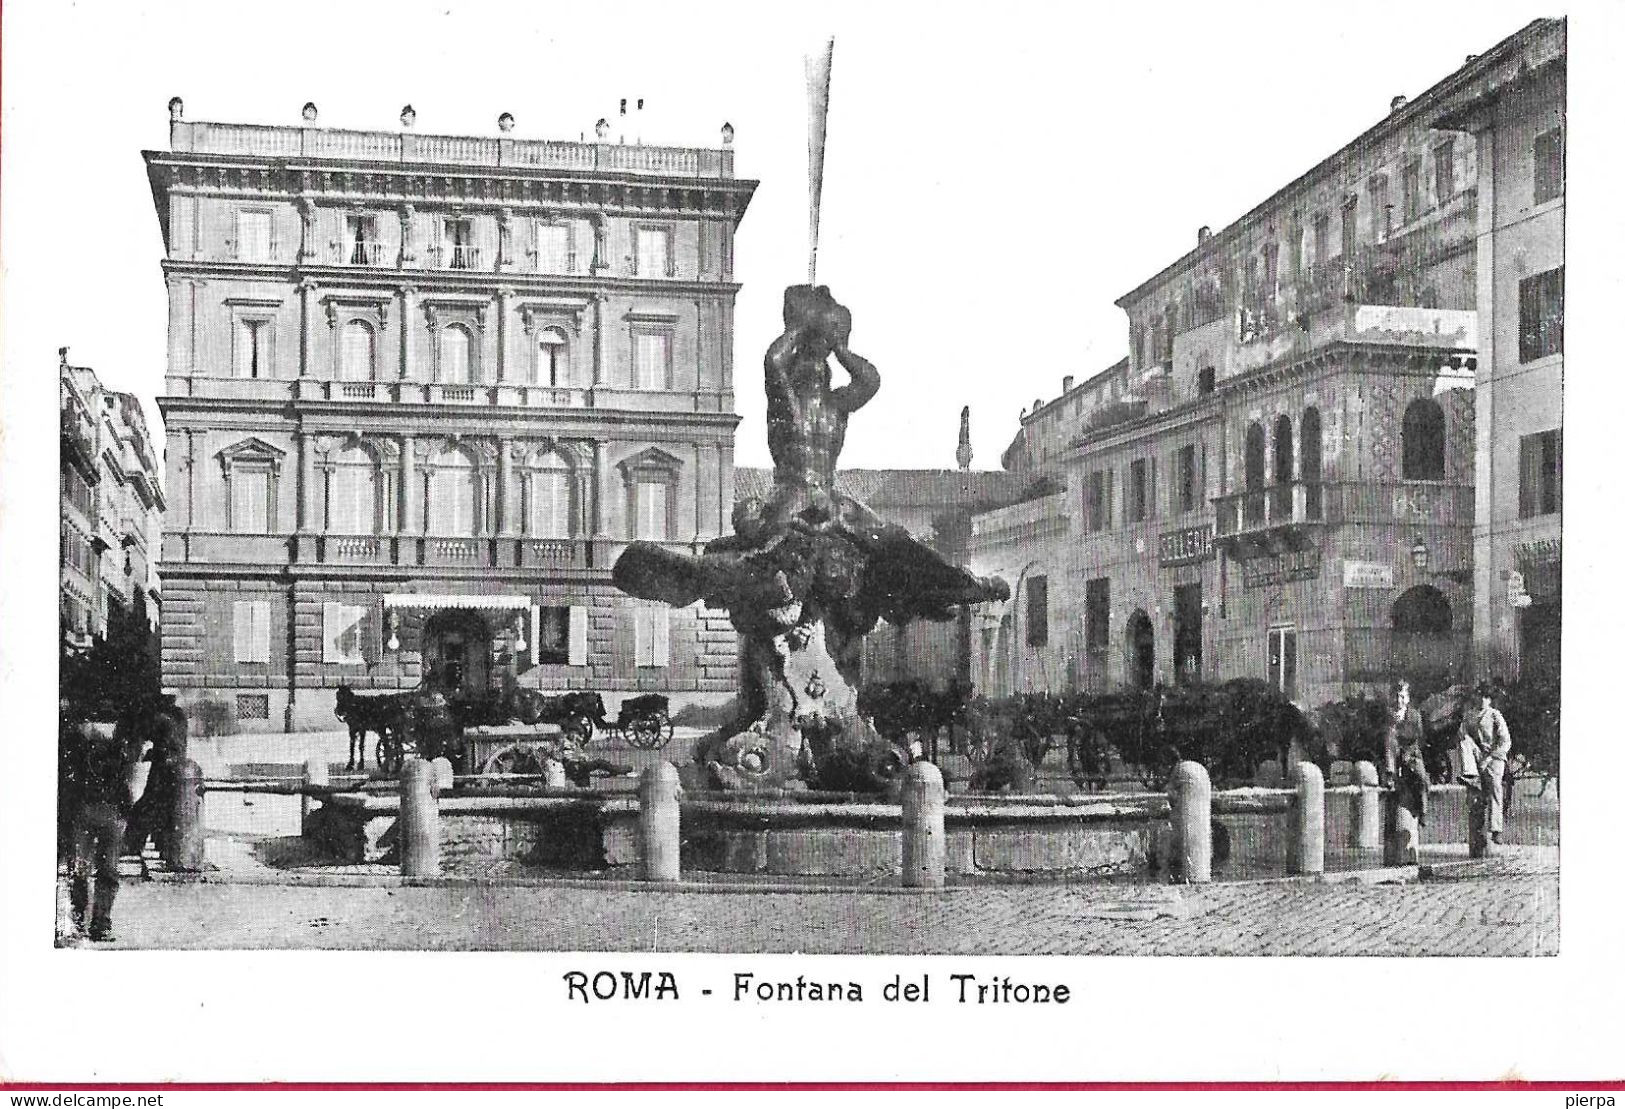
(1278, 482)
(111, 501)
(422, 390)
(1517, 116)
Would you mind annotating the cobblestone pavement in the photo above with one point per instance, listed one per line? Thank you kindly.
(1502, 906)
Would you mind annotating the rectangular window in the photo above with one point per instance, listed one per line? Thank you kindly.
(1188, 486)
(651, 252)
(1323, 237)
(1097, 615)
(1037, 611)
(1540, 474)
(652, 635)
(552, 646)
(1206, 381)
(1097, 504)
(250, 500)
(651, 359)
(1139, 490)
(254, 236)
(1272, 271)
(1283, 661)
(1382, 212)
(652, 511)
(251, 631)
(253, 348)
(459, 248)
(553, 253)
(1444, 172)
(361, 245)
(1351, 225)
(1540, 315)
(344, 630)
(1410, 188)
(1548, 165)
(550, 504)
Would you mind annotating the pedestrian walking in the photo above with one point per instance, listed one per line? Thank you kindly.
(1491, 739)
(1405, 770)
(101, 764)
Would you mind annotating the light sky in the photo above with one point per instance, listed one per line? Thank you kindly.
(996, 176)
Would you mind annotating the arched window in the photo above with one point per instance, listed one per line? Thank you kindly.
(456, 347)
(552, 359)
(453, 482)
(352, 506)
(1422, 643)
(1281, 495)
(550, 515)
(1423, 437)
(1422, 609)
(1309, 462)
(358, 352)
(1253, 474)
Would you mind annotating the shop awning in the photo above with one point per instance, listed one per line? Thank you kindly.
(455, 600)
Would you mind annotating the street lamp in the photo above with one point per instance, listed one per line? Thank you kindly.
(1420, 554)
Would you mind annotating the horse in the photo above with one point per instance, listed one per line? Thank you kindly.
(380, 713)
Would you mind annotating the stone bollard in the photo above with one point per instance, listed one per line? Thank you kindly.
(1478, 824)
(659, 824)
(1306, 849)
(315, 775)
(1190, 803)
(419, 824)
(187, 829)
(1401, 832)
(444, 777)
(1365, 809)
(925, 833)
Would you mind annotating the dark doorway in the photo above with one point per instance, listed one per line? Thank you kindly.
(1423, 648)
(1540, 640)
(1188, 634)
(457, 652)
(1142, 650)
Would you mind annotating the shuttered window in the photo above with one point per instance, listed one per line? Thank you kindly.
(254, 236)
(1540, 315)
(651, 359)
(344, 632)
(1037, 611)
(251, 631)
(652, 635)
(1548, 165)
(250, 500)
(652, 511)
(1540, 474)
(653, 252)
(553, 254)
(357, 360)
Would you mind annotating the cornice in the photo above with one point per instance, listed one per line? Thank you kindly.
(347, 280)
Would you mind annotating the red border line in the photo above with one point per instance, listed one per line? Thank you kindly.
(774, 1087)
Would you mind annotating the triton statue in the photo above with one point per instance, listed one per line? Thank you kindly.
(806, 574)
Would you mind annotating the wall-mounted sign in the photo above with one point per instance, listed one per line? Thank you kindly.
(1186, 546)
(1367, 575)
(1257, 573)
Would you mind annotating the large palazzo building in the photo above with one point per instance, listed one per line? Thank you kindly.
(1278, 482)
(422, 390)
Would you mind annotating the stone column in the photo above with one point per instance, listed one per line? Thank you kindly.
(504, 497)
(307, 331)
(925, 837)
(419, 821)
(1366, 817)
(505, 240)
(600, 465)
(598, 339)
(409, 523)
(659, 818)
(504, 298)
(1306, 849)
(409, 295)
(1190, 797)
(307, 481)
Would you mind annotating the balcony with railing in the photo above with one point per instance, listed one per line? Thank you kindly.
(1279, 516)
(78, 437)
(359, 252)
(406, 147)
(456, 256)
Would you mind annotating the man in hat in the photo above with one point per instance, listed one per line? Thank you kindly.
(1488, 732)
(1403, 765)
(101, 763)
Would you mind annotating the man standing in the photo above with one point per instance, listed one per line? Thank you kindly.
(101, 762)
(1405, 769)
(1492, 739)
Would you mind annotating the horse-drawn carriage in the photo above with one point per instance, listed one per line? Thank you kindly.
(426, 723)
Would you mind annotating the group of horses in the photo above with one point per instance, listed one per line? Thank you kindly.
(428, 722)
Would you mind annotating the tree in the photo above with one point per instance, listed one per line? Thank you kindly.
(120, 672)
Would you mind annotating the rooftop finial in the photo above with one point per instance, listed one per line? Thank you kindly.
(601, 129)
(308, 112)
(177, 109)
(62, 353)
(1396, 103)
(409, 116)
(963, 454)
(727, 134)
(505, 122)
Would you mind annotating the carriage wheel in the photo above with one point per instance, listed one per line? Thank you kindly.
(666, 729)
(517, 759)
(644, 733)
(580, 726)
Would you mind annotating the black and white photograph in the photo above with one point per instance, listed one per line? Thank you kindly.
(963, 490)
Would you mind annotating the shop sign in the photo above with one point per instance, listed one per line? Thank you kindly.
(1367, 575)
(1186, 546)
(1257, 573)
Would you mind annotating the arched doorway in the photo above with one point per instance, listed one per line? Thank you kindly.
(1142, 650)
(457, 651)
(1423, 647)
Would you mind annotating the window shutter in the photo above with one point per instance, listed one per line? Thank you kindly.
(660, 636)
(262, 631)
(1151, 488)
(242, 631)
(640, 636)
(368, 632)
(578, 635)
(1529, 459)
